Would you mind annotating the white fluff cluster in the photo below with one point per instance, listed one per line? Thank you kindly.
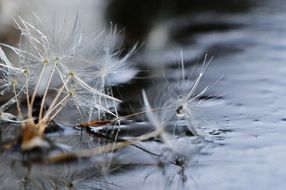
(64, 66)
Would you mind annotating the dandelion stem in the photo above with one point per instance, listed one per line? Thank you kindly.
(191, 126)
(46, 90)
(58, 111)
(60, 103)
(30, 117)
(43, 122)
(130, 115)
(17, 100)
(60, 91)
(38, 84)
(142, 112)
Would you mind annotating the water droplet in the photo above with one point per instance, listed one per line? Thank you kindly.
(180, 111)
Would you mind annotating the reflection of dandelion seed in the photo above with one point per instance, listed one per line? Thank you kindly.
(85, 176)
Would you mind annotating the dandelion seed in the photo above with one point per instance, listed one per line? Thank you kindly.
(180, 98)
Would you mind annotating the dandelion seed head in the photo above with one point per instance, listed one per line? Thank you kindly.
(66, 56)
(71, 73)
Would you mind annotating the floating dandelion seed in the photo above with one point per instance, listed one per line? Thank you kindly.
(180, 98)
(187, 95)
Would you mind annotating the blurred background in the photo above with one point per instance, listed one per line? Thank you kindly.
(155, 24)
